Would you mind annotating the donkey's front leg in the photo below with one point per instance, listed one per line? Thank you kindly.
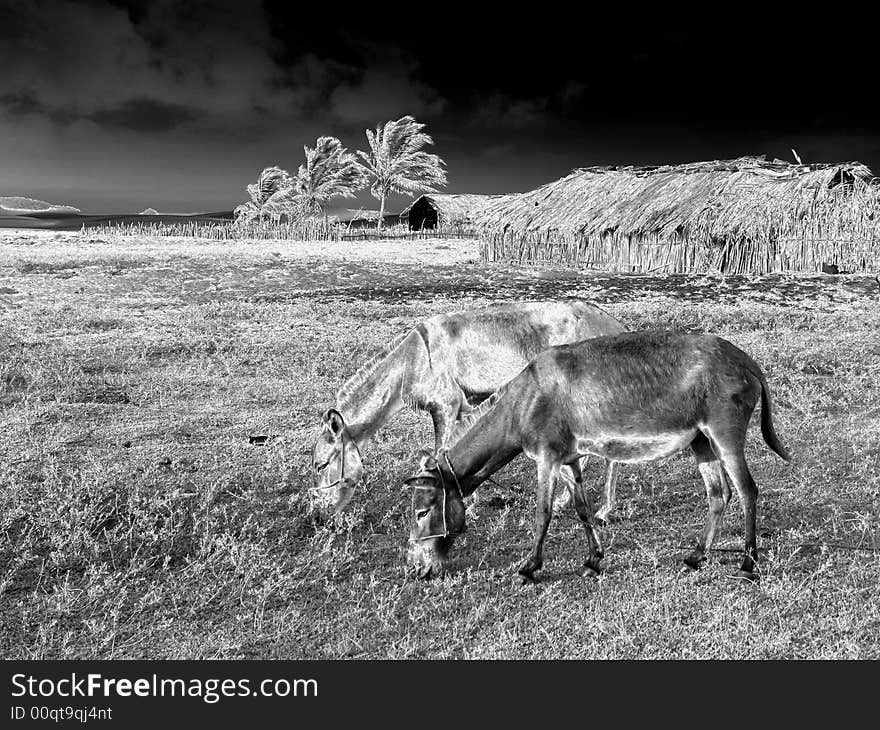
(548, 473)
(443, 418)
(446, 407)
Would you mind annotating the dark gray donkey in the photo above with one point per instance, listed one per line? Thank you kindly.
(446, 365)
(633, 397)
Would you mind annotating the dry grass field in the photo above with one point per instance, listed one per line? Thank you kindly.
(137, 519)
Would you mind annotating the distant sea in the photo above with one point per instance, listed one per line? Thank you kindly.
(64, 221)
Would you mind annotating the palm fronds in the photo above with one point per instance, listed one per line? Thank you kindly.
(271, 181)
(396, 162)
(330, 171)
(270, 195)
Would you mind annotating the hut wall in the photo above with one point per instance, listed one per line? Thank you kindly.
(422, 215)
(656, 254)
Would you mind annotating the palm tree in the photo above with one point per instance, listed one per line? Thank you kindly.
(268, 195)
(396, 163)
(330, 171)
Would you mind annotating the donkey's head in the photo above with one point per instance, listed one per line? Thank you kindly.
(337, 465)
(438, 516)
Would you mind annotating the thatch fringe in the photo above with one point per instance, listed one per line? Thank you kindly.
(736, 216)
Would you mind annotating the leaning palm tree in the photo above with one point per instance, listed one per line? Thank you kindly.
(397, 164)
(268, 195)
(330, 171)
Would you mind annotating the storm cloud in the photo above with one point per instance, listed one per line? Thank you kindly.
(178, 104)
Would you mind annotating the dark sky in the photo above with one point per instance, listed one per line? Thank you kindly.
(114, 106)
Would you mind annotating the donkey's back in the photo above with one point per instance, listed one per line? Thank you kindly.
(641, 395)
(481, 349)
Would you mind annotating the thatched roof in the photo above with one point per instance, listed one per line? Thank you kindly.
(452, 208)
(738, 198)
(726, 202)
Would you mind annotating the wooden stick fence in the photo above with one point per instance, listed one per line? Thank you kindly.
(293, 231)
(679, 255)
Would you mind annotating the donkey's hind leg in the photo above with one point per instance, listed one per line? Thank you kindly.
(568, 487)
(610, 499)
(729, 447)
(548, 474)
(584, 507)
(565, 486)
(717, 494)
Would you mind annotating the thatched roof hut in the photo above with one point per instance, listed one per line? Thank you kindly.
(736, 216)
(431, 211)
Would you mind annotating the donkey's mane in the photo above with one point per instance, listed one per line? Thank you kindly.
(465, 424)
(367, 369)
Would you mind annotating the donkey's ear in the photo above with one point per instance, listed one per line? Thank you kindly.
(427, 462)
(333, 422)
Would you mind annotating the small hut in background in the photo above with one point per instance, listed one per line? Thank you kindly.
(429, 212)
(746, 215)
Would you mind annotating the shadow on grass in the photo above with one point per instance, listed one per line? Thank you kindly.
(404, 283)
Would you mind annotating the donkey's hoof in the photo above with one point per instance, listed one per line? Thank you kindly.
(695, 560)
(527, 577)
(746, 575)
(591, 569)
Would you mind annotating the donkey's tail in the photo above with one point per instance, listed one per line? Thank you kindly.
(767, 430)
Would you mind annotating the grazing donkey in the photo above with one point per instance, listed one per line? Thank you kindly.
(638, 396)
(445, 366)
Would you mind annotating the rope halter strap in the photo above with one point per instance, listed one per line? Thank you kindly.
(445, 532)
(341, 478)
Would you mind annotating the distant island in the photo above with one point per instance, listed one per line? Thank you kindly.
(149, 211)
(16, 205)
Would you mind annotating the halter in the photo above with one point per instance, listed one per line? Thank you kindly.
(341, 477)
(446, 532)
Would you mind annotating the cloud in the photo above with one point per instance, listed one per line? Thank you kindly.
(71, 61)
(388, 89)
(501, 150)
(145, 115)
(501, 110)
(22, 102)
(571, 92)
(209, 68)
